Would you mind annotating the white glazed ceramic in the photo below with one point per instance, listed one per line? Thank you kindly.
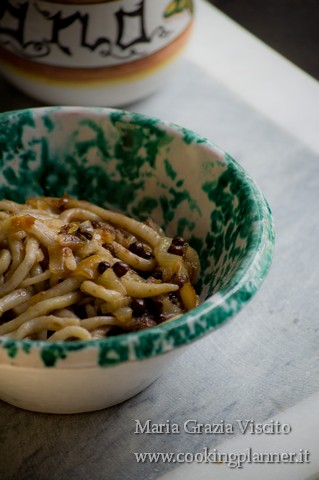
(94, 52)
(146, 168)
(76, 390)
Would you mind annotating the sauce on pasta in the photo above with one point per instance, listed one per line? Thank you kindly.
(71, 270)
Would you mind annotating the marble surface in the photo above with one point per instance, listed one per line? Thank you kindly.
(257, 74)
(257, 366)
(289, 26)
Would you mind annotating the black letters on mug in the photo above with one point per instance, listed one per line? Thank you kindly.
(141, 37)
(58, 22)
(19, 13)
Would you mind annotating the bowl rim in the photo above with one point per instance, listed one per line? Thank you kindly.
(191, 326)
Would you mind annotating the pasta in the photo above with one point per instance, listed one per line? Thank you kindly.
(70, 270)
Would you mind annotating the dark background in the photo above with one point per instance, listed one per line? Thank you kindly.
(289, 26)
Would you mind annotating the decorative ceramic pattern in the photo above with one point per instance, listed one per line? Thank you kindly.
(144, 167)
(91, 34)
(102, 52)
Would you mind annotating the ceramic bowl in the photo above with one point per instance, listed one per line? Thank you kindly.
(144, 167)
(93, 52)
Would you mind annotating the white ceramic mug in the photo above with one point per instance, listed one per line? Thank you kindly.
(91, 52)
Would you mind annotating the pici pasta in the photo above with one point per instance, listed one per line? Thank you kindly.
(70, 270)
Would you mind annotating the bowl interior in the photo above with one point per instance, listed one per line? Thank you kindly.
(145, 168)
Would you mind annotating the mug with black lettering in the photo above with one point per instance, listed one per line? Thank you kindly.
(91, 52)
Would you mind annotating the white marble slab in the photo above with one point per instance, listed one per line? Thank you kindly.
(299, 440)
(264, 363)
(256, 73)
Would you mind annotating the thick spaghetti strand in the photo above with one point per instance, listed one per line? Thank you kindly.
(70, 270)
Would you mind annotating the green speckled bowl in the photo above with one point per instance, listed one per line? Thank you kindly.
(143, 167)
